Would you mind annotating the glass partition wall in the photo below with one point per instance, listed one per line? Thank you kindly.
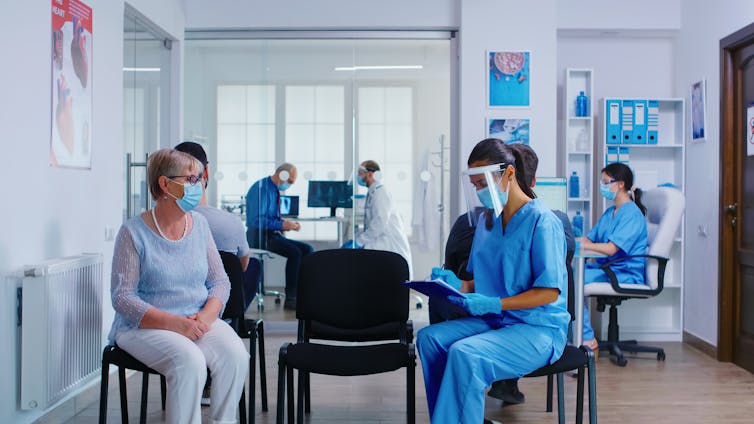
(146, 74)
(326, 105)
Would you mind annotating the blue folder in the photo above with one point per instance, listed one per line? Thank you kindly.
(653, 121)
(434, 288)
(640, 122)
(613, 111)
(627, 121)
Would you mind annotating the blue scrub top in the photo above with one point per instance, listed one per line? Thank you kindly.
(627, 229)
(529, 253)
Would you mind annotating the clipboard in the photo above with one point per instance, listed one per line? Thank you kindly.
(434, 288)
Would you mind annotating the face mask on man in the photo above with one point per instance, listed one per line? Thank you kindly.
(360, 181)
(192, 195)
(285, 185)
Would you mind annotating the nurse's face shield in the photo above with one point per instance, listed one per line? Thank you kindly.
(481, 188)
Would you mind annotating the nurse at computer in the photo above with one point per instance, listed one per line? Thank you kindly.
(383, 226)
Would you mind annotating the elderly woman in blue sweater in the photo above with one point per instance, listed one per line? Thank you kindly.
(168, 289)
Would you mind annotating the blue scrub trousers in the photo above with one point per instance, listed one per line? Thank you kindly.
(461, 358)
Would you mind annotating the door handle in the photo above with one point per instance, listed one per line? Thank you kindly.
(732, 208)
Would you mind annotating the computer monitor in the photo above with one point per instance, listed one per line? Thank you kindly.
(288, 206)
(330, 194)
(553, 192)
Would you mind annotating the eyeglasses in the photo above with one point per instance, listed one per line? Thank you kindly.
(608, 182)
(191, 179)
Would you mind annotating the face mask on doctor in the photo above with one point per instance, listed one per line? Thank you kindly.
(485, 182)
(486, 198)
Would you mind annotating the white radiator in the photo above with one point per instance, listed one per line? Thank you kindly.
(61, 328)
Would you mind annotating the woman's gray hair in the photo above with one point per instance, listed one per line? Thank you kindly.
(169, 162)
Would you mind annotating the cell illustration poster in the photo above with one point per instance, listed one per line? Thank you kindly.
(509, 130)
(71, 84)
(508, 78)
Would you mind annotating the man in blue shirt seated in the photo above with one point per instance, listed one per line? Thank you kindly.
(265, 227)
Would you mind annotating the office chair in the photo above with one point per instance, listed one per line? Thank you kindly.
(665, 207)
(261, 255)
(370, 304)
(573, 358)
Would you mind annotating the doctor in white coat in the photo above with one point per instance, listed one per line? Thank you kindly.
(383, 226)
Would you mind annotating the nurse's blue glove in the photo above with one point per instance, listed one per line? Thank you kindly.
(446, 275)
(350, 244)
(478, 304)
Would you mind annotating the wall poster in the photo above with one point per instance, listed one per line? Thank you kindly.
(508, 78)
(509, 130)
(71, 84)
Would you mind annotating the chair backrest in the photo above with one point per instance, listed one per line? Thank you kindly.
(665, 206)
(570, 251)
(234, 307)
(353, 289)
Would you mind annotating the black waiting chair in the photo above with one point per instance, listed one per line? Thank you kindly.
(573, 358)
(354, 296)
(251, 329)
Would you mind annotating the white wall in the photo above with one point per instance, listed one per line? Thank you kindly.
(697, 56)
(52, 212)
(620, 15)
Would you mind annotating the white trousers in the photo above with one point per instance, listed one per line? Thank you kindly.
(184, 364)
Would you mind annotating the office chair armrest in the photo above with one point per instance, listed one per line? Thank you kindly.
(662, 263)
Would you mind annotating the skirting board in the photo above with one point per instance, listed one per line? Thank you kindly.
(700, 344)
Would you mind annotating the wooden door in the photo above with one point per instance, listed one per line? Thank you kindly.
(737, 202)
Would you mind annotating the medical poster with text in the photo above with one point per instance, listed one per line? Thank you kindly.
(70, 142)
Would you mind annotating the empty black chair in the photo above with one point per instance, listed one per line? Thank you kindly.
(349, 295)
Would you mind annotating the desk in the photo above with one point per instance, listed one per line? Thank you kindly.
(580, 256)
(337, 219)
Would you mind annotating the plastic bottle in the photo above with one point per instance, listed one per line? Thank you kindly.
(573, 185)
(581, 104)
(578, 224)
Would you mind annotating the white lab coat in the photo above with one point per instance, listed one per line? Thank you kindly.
(383, 226)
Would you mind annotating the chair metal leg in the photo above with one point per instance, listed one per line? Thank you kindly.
(144, 396)
(163, 390)
(104, 383)
(123, 395)
(291, 413)
(548, 404)
(580, 396)
(300, 405)
(262, 364)
(411, 393)
(281, 388)
(592, 389)
(252, 376)
(561, 399)
(307, 393)
(242, 407)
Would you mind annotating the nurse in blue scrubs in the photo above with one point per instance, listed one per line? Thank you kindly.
(516, 301)
(621, 231)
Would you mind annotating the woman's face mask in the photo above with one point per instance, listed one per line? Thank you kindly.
(485, 197)
(605, 190)
(192, 195)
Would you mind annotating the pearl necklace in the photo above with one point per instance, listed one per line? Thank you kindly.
(159, 230)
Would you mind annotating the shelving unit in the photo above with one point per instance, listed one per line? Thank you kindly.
(579, 147)
(659, 318)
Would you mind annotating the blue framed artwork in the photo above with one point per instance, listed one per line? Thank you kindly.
(508, 78)
(510, 130)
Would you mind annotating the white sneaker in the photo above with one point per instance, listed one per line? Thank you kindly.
(205, 397)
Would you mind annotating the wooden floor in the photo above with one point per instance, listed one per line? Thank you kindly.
(689, 387)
